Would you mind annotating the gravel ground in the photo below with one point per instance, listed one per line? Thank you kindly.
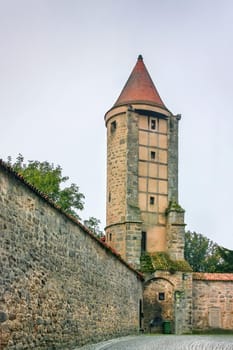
(166, 342)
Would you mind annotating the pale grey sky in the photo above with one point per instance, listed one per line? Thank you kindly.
(63, 64)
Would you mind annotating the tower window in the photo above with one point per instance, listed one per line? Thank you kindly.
(152, 155)
(153, 124)
(113, 126)
(152, 200)
(110, 236)
(143, 242)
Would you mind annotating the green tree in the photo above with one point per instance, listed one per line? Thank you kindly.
(93, 224)
(201, 253)
(48, 179)
(226, 262)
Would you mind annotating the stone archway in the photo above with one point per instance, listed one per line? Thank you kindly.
(158, 304)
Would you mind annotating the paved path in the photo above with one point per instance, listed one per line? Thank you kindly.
(166, 342)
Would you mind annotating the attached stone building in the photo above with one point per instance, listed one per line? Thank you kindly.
(213, 300)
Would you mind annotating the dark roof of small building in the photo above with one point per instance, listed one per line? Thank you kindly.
(8, 169)
(139, 88)
(204, 276)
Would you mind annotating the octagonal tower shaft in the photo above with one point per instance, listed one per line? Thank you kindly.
(142, 168)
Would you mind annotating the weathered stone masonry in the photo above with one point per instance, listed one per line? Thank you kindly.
(145, 222)
(212, 300)
(59, 286)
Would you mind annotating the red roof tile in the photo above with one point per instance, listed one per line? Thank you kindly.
(139, 88)
(203, 276)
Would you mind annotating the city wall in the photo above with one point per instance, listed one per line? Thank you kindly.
(59, 286)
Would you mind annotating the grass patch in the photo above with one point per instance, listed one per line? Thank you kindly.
(213, 331)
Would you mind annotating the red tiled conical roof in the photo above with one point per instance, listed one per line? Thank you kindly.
(139, 87)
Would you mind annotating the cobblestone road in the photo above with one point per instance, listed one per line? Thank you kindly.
(166, 342)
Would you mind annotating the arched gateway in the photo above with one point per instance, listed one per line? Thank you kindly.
(158, 302)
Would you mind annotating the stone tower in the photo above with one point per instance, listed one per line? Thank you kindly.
(143, 214)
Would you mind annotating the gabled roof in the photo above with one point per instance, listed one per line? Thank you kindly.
(139, 88)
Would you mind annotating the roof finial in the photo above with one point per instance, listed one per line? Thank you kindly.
(140, 58)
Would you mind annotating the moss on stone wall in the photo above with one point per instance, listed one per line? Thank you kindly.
(174, 206)
(161, 261)
(146, 264)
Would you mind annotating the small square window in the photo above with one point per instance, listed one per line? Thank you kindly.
(152, 200)
(153, 124)
(162, 296)
(113, 126)
(152, 155)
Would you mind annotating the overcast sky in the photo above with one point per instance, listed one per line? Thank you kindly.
(63, 64)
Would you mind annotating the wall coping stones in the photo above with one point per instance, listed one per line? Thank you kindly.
(204, 276)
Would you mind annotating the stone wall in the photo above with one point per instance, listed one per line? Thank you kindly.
(212, 301)
(116, 168)
(116, 181)
(123, 231)
(175, 232)
(59, 285)
(173, 158)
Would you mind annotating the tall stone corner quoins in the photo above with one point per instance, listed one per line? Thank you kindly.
(144, 219)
